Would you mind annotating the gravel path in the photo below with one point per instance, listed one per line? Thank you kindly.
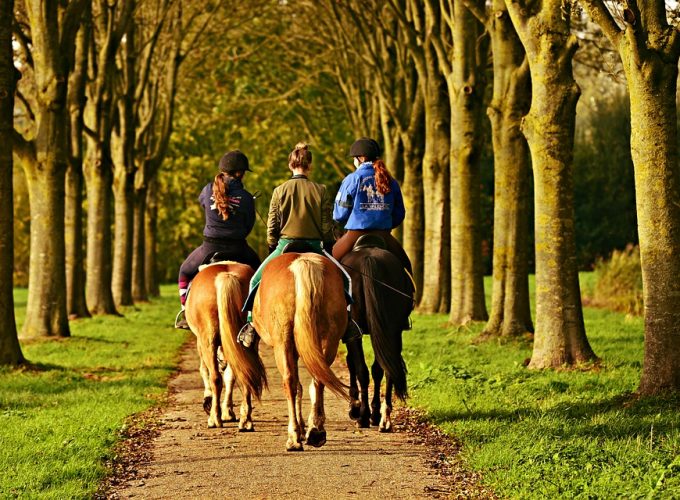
(188, 460)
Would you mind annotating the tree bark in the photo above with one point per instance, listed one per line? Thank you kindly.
(45, 163)
(466, 83)
(560, 337)
(510, 308)
(76, 306)
(98, 175)
(412, 189)
(650, 48)
(151, 222)
(139, 274)
(10, 350)
(124, 174)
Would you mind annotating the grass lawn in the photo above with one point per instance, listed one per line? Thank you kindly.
(548, 434)
(60, 417)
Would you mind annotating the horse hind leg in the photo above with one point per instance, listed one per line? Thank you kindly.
(377, 372)
(386, 409)
(207, 393)
(228, 402)
(298, 409)
(359, 409)
(208, 350)
(245, 423)
(287, 365)
(316, 435)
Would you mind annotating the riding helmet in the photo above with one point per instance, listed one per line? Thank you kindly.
(365, 146)
(234, 161)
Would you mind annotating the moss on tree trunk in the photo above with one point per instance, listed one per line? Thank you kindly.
(560, 337)
(510, 309)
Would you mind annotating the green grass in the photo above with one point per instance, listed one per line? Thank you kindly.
(60, 417)
(548, 434)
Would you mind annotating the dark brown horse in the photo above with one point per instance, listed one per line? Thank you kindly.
(382, 302)
(300, 310)
(213, 311)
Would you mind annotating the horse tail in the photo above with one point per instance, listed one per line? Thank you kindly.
(309, 280)
(245, 363)
(384, 329)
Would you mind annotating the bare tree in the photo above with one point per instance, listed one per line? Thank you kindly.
(649, 48)
(53, 27)
(510, 311)
(10, 350)
(543, 29)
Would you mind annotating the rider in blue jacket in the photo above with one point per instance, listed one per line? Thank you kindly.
(369, 201)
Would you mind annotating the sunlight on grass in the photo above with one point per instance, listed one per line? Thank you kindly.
(60, 417)
(548, 434)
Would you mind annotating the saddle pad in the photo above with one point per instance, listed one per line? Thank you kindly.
(203, 266)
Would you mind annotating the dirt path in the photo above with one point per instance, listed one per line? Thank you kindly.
(188, 460)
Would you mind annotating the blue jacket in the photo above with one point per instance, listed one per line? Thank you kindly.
(241, 213)
(359, 206)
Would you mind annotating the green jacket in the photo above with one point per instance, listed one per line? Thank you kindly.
(300, 210)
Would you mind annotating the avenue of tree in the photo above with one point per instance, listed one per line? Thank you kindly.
(103, 85)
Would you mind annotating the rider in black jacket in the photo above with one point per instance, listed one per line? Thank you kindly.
(229, 218)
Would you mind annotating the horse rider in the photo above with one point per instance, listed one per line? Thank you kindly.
(229, 218)
(300, 210)
(369, 202)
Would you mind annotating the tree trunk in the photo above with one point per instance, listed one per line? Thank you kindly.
(560, 337)
(151, 223)
(653, 114)
(510, 311)
(76, 305)
(123, 192)
(75, 256)
(436, 294)
(98, 174)
(466, 84)
(139, 275)
(10, 350)
(412, 190)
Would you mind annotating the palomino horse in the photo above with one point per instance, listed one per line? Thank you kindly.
(381, 289)
(300, 310)
(213, 311)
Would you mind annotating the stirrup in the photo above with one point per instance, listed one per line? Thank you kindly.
(246, 335)
(181, 321)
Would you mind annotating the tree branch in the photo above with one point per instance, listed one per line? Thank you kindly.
(599, 13)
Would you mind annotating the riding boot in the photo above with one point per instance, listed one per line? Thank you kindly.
(353, 330)
(247, 335)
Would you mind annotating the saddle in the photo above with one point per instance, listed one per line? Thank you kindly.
(212, 259)
(369, 241)
(299, 246)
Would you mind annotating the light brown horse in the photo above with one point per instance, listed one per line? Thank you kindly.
(213, 311)
(300, 310)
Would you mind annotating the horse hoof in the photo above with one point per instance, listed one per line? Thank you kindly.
(247, 427)
(363, 423)
(354, 412)
(214, 425)
(385, 427)
(231, 418)
(290, 446)
(375, 420)
(207, 404)
(316, 438)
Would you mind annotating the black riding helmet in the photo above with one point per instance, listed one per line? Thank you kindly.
(234, 161)
(365, 146)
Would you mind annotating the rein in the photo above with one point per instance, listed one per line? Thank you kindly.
(378, 281)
